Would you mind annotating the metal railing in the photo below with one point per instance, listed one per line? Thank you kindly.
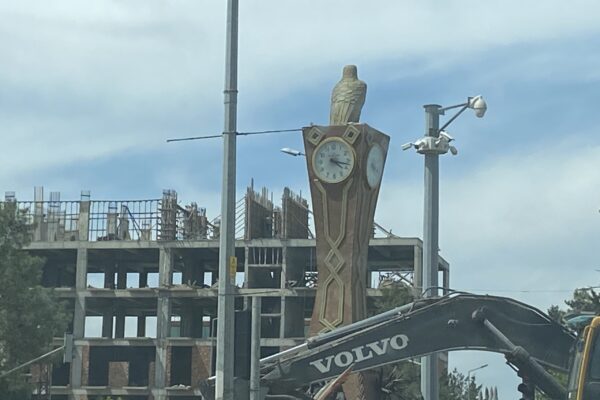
(54, 220)
(153, 219)
(105, 220)
(124, 220)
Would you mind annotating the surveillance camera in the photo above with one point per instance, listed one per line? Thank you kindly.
(478, 105)
(407, 146)
(419, 144)
(446, 136)
(453, 150)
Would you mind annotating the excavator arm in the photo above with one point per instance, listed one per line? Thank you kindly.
(526, 336)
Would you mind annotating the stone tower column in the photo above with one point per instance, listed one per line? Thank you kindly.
(343, 214)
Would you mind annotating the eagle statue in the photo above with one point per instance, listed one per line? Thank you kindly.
(347, 98)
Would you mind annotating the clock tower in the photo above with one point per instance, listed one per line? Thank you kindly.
(345, 166)
(345, 163)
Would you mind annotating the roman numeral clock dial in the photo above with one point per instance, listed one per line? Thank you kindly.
(333, 160)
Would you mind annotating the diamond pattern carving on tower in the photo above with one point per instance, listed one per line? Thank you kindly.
(334, 261)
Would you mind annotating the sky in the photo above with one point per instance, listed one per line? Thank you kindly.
(90, 91)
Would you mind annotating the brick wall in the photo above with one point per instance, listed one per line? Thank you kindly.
(118, 373)
(201, 363)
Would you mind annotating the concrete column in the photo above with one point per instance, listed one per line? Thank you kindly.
(53, 217)
(193, 272)
(418, 270)
(196, 329)
(199, 270)
(143, 281)
(283, 285)
(38, 213)
(121, 276)
(107, 323)
(141, 326)
(187, 273)
(111, 221)
(120, 314)
(165, 267)
(109, 277)
(163, 314)
(247, 278)
(119, 323)
(255, 350)
(186, 320)
(79, 316)
(83, 224)
(446, 280)
(191, 321)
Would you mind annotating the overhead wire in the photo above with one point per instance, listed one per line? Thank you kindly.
(531, 290)
(236, 133)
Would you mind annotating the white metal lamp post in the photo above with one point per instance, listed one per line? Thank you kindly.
(475, 369)
(469, 377)
(435, 142)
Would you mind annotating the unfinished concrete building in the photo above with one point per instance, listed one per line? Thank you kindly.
(140, 280)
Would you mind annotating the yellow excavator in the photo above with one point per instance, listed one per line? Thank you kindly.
(530, 340)
(584, 375)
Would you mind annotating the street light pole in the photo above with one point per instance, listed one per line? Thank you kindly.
(475, 369)
(431, 209)
(224, 385)
(435, 142)
(429, 364)
(469, 379)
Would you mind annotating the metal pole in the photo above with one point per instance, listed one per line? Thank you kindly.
(255, 350)
(429, 364)
(224, 389)
(469, 379)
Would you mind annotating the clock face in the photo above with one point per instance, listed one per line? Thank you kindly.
(333, 160)
(374, 167)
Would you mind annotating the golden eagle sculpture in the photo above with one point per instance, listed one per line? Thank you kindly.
(347, 98)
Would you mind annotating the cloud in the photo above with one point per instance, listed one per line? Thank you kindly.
(506, 224)
(101, 76)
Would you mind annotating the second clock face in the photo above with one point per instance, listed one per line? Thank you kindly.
(374, 167)
(333, 160)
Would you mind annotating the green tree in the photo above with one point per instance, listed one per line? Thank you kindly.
(30, 315)
(586, 299)
(456, 386)
(394, 294)
(583, 300)
(556, 314)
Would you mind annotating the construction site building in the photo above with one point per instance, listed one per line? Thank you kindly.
(139, 278)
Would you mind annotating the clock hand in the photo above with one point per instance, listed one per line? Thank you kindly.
(338, 162)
